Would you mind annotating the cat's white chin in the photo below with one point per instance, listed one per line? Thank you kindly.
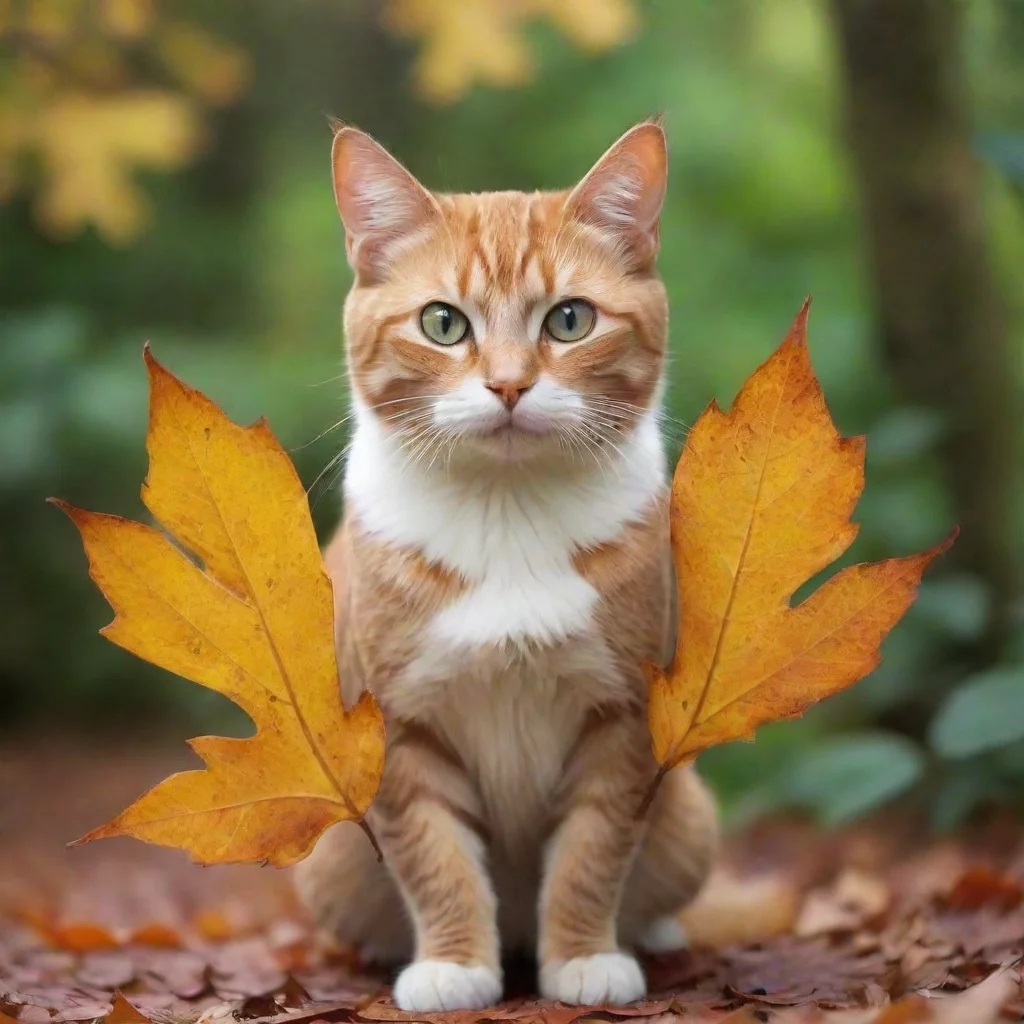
(511, 442)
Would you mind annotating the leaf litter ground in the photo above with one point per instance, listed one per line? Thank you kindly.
(866, 924)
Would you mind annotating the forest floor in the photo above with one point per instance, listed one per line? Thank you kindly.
(875, 923)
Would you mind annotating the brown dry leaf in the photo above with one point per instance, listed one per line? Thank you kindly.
(231, 495)
(981, 1004)
(734, 909)
(980, 886)
(761, 501)
(793, 972)
(854, 898)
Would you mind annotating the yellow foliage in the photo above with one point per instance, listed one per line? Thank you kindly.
(214, 70)
(469, 41)
(761, 502)
(67, 96)
(68, 93)
(256, 623)
(90, 144)
(126, 19)
(47, 19)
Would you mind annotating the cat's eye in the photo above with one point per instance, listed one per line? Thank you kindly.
(444, 324)
(571, 320)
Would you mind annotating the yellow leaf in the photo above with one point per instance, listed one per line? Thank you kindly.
(256, 625)
(470, 41)
(761, 501)
(51, 20)
(593, 24)
(217, 71)
(126, 19)
(447, 66)
(90, 145)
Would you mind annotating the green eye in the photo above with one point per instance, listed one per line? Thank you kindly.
(570, 320)
(444, 324)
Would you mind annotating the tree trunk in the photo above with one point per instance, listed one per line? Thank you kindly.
(939, 314)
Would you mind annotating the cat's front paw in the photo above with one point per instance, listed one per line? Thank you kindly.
(611, 978)
(428, 986)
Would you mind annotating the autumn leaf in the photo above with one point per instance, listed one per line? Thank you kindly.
(447, 67)
(761, 501)
(256, 624)
(213, 69)
(91, 144)
(122, 1012)
(67, 97)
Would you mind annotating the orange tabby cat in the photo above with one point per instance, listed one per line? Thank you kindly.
(502, 572)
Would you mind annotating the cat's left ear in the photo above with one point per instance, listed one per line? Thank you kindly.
(624, 191)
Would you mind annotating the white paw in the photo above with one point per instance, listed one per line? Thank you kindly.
(612, 978)
(428, 986)
(664, 935)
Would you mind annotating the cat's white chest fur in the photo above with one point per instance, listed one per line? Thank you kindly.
(508, 671)
(510, 533)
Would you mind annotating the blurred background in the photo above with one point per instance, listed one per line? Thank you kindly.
(164, 177)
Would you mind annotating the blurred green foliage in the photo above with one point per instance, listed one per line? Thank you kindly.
(239, 284)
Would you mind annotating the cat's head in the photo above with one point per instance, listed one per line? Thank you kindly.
(509, 325)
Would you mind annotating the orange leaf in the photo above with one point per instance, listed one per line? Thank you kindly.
(122, 1012)
(256, 624)
(79, 938)
(761, 501)
(160, 936)
(214, 926)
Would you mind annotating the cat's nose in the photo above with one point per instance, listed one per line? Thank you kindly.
(509, 392)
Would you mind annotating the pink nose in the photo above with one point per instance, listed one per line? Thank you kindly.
(509, 392)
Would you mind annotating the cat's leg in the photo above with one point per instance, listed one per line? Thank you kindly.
(587, 862)
(675, 858)
(352, 898)
(427, 820)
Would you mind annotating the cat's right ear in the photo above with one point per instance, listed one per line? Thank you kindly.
(381, 204)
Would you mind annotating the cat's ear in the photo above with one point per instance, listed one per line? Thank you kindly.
(381, 204)
(623, 192)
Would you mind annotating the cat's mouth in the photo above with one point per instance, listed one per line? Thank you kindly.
(512, 427)
(513, 437)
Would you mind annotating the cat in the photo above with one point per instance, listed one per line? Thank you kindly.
(501, 573)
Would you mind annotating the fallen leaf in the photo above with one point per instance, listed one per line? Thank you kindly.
(733, 909)
(979, 886)
(854, 898)
(761, 501)
(981, 1004)
(122, 1012)
(793, 972)
(159, 935)
(231, 496)
(75, 937)
(214, 926)
(106, 970)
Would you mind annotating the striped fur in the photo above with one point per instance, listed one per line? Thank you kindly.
(501, 573)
